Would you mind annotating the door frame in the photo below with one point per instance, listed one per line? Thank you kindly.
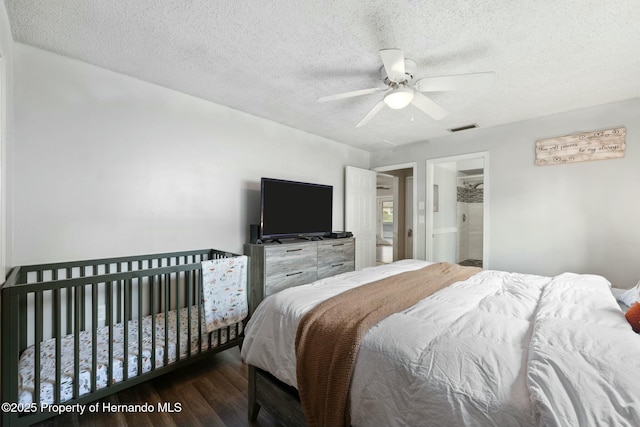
(414, 167)
(484, 155)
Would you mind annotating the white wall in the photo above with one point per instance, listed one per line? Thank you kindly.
(108, 165)
(6, 136)
(581, 217)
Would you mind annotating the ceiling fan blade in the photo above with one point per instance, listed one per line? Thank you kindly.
(351, 94)
(428, 106)
(370, 114)
(393, 60)
(455, 82)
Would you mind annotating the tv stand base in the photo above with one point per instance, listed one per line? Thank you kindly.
(311, 238)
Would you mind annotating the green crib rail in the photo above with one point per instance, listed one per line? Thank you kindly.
(171, 279)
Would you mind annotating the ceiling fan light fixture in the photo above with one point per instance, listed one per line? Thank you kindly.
(399, 98)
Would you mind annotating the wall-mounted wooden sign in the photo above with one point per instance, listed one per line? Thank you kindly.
(581, 147)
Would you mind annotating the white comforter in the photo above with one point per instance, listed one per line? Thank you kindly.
(500, 349)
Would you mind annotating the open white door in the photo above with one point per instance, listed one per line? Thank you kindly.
(444, 218)
(360, 213)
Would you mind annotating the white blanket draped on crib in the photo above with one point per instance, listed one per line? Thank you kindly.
(224, 291)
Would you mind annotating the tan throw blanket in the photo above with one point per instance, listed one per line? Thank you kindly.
(329, 335)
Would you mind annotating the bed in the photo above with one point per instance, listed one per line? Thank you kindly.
(76, 332)
(496, 349)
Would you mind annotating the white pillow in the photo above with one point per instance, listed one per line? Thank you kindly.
(631, 296)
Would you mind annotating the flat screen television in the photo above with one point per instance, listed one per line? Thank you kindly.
(294, 209)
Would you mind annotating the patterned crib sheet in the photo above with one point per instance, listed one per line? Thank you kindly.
(48, 352)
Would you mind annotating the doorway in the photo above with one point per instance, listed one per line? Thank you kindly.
(395, 213)
(386, 221)
(457, 200)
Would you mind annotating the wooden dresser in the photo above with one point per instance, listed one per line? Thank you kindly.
(277, 266)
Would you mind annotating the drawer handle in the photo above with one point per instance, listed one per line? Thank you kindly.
(294, 250)
(293, 274)
(337, 265)
(338, 244)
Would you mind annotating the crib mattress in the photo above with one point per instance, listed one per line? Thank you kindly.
(48, 352)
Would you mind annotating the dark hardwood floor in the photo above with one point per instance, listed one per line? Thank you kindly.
(212, 392)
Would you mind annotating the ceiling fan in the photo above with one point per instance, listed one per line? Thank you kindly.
(397, 73)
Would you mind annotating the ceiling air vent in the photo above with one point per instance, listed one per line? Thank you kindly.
(471, 126)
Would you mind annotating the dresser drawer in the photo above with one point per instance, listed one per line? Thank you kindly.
(290, 265)
(289, 258)
(332, 269)
(277, 282)
(334, 252)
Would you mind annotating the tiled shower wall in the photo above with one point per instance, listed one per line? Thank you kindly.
(470, 223)
(470, 195)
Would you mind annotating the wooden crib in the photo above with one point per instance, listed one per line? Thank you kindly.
(85, 321)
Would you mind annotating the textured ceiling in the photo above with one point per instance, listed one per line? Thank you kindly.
(275, 59)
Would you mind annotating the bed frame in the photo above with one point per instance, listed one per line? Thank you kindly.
(281, 400)
(49, 301)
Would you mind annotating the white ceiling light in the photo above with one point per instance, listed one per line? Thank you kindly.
(399, 98)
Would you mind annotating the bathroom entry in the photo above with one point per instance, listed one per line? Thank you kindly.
(470, 197)
(457, 209)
